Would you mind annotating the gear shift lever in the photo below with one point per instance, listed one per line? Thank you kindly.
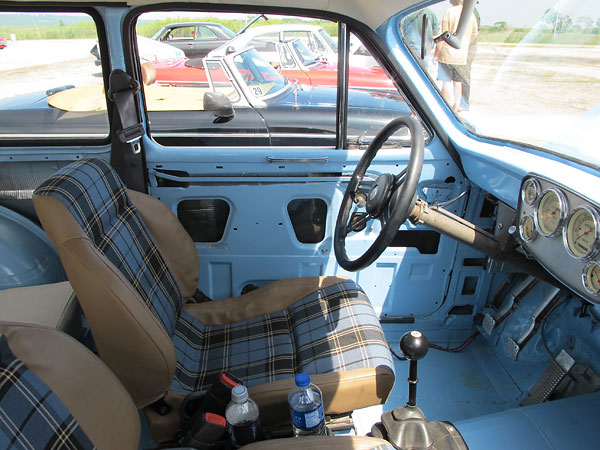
(413, 346)
(406, 427)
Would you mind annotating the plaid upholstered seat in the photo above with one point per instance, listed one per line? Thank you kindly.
(50, 396)
(331, 328)
(31, 415)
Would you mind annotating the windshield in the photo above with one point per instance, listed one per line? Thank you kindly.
(329, 40)
(528, 70)
(260, 76)
(305, 55)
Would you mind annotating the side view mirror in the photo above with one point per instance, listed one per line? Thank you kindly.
(220, 104)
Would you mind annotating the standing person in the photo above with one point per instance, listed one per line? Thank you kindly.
(465, 103)
(453, 61)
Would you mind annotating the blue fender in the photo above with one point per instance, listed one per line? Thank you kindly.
(27, 256)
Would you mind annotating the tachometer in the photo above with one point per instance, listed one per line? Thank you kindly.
(531, 189)
(591, 278)
(527, 229)
(550, 212)
(581, 233)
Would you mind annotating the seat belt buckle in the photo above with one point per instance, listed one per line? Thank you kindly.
(213, 400)
(219, 394)
(206, 432)
(131, 134)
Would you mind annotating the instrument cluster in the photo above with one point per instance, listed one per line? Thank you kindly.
(562, 230)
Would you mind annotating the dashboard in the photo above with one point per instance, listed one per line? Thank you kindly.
(561, 229)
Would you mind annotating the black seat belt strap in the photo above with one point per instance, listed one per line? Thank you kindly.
(126, 155)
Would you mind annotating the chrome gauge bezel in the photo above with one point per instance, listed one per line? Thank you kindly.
(596, 245)
(584, 278)
(562, 207)
(536, 187)
(534, 232)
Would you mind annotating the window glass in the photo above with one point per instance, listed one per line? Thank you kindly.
(304, 36)
(269, 99)
(285, 56)
(305, 55)
(266, 45)
(260, 41)
(327, 38)
(182, 33)
(527, 70)
(260, 76)
(372, 86)
(52, 85)
(221, 82)
(205, 33)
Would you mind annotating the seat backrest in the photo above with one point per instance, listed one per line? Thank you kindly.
(57, 394)
(126, 289)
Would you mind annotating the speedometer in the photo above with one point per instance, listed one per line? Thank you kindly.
(581, 233)
(550, 212)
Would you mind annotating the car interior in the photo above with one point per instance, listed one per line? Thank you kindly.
(429, 253)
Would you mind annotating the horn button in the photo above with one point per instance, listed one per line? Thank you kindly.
(380, 193)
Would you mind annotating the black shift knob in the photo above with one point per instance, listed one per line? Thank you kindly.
(414, 345)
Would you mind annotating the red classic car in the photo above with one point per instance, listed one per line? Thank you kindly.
(2, 42)
(293, 59)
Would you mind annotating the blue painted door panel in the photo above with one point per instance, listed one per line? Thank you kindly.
(259, 244)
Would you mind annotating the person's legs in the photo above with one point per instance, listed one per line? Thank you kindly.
(448, 92)
(466, 98)
(457, 87)
(445, 79)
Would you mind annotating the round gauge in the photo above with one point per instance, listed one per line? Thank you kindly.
(581, 233)
(550, 212)
(527, 229)
(531, 189)
(591, 278)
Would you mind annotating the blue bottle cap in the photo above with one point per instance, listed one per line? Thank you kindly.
(302, 379)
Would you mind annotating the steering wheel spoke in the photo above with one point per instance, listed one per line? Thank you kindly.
(358, 222)
(390, 199)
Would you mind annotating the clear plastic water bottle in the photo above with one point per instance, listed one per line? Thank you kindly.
(242, 418)
(306, 407)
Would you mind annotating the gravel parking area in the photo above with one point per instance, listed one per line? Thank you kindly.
(31, 66)
(546, 74)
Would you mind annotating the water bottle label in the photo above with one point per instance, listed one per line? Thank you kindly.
(309, 419)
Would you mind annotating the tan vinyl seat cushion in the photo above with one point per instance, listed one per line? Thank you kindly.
(88, 389)
(50, 305)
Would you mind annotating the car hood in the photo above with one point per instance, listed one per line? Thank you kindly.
(35, 100)
(326, 96)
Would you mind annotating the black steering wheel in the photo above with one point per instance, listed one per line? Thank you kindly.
(391, 198)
